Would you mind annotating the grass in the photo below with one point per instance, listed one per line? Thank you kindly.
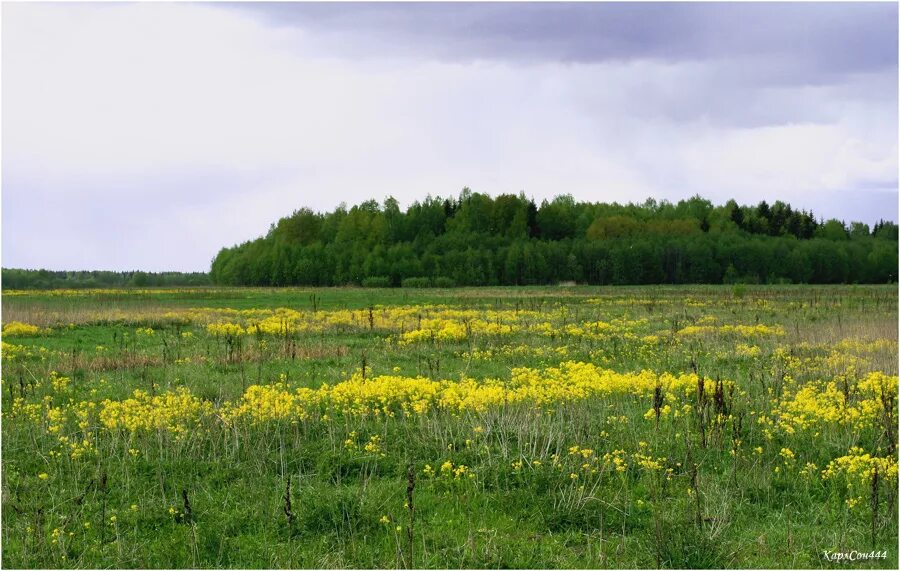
(533, 481)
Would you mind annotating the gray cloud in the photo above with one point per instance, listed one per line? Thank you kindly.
(822, 39)
(751, 54)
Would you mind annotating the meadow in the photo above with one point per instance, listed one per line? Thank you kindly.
(565, 427)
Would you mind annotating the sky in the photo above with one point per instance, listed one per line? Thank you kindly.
(149, 136)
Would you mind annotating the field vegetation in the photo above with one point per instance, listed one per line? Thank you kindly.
(703, 426)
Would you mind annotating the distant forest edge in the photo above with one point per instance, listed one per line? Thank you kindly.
(13, 278)
(509, 240)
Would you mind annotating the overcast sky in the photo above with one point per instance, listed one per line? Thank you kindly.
(148, 136)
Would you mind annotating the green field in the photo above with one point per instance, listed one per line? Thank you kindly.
(570, 427)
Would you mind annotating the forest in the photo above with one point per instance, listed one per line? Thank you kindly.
(15, 278)
(476, 240)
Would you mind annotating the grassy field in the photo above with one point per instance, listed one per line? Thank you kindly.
(494, 427)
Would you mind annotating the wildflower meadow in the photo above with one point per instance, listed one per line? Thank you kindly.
(567, 427)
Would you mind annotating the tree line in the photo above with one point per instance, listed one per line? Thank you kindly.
(475, 239)
(14, 278)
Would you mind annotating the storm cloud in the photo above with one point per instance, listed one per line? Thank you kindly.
(824, 39)
(149, 136)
